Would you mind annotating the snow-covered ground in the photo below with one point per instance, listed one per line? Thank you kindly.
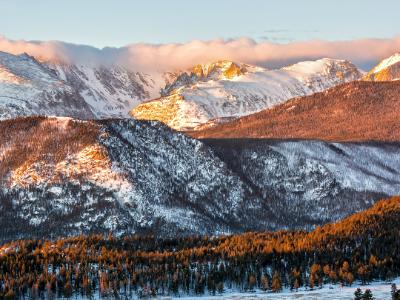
(380, 291)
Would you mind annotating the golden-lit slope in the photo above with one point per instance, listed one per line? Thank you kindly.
(387, 70)
(356, 111)
(165, 110)
(38, 149)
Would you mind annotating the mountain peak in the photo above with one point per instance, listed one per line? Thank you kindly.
(26, 56)
(17, 70)
(214, 71)
(223, 69)
(387, 62)
(387, 70)
(337, 67)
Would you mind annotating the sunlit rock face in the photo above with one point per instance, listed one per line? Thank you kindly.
(28, 87)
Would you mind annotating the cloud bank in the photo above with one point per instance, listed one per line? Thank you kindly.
(168, 57)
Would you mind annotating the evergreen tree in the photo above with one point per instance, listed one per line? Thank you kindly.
(252, 282)
(276, 282)
(264, 283)
(367, 295)
(358, 294)
(296, 284)
(311, 281)
(395, 292)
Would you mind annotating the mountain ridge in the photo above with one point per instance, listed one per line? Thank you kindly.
(60, 175)
(355, 111)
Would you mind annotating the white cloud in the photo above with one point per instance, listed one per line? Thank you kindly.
(150, 57)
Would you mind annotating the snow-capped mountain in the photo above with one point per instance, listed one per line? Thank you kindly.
(109, 91)
(62, 176)
(226, 89)
(220, 90)
(387, 70)
(30, 87)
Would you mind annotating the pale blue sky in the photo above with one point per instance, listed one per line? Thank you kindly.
(117, 23)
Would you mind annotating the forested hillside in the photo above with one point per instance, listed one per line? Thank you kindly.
(362, 247)
(355, 111)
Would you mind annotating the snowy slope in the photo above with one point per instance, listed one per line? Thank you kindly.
(313, 180)
(225, 89)
(30, 87)
(60, 175)
(387, 70)
(110, 91)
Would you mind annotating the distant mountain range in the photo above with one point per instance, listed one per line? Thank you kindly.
(226, 89)
(217, 90)
(201, 97)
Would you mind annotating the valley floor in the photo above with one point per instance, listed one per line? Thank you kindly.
(380, 290)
